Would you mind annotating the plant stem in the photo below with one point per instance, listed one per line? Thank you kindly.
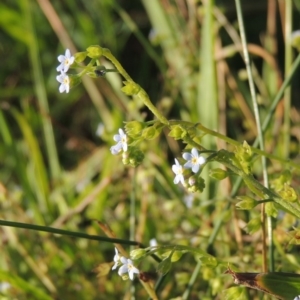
(259, 131)
(66, 232)
(141, 92)
(189, 125)
(287, 61)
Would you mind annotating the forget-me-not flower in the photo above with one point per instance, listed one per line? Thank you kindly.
(178, 170)
(194, 160)
(121, 140)
(65, 61)
(64, 81)
(128, 267)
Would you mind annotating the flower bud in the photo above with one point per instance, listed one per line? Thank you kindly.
(177, 132)
(218, 173)
(196, 184)
(94, 51)
(130, 88)
(244, 156)
(134, 128)
(150, 133)
(288, 193)
(247, 203)
(137, 253)
(133, 157)
(80, 57)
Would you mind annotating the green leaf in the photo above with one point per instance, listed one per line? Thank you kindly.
(165, 266)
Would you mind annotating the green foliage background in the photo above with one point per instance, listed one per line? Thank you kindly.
(56, 171)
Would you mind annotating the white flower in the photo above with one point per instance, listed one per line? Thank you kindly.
(64, 81)
(178, 170)
(153, 242)
(100, 129)
(128, 267)
(121, 140)
(65, 61)
(116, 259)
(297, 297)
(194, 160)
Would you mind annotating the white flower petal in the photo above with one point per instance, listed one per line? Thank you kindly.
(195, 168)
(187, 156)
(194, 152)
(123, 270)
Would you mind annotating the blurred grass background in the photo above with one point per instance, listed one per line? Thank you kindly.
(57, 170)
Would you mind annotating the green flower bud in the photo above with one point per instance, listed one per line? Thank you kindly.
(80, 57)
(177, 132)
(94, 51)
(134, 128)
(218, 173)
(150, 133)
(288, 193)
(246, 203)
(133, 157)
(244, 156)
(137, 253)
(196, 184)
(130, 88)
(278, 183)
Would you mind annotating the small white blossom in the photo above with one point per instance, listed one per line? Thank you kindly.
(128, 267)
(116, 259)
(64, 81)
(100, 129)
(194, 160)
(153, 242)
(121, 140)
(178, 170)
(297, 297)
(65, 61)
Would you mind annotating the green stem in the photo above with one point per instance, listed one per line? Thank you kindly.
(141, 92)
(259, 131)
(288, 63)
(66, 232)
(189, 125)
